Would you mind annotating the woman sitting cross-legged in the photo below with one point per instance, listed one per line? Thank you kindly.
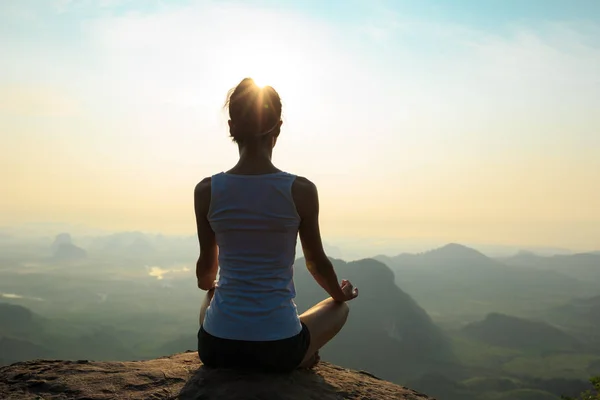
(248, 221)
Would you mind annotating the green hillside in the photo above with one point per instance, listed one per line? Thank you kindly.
(519, 333)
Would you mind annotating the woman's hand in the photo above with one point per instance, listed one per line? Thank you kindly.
(349, 291)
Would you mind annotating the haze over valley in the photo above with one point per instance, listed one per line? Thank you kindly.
(450, 321)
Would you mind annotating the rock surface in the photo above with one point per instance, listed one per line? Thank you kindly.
(182, 376)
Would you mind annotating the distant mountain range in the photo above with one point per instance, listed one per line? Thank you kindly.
(583, 266)
(455, 280)
(449, 256)
(457, 255)
(437, 318)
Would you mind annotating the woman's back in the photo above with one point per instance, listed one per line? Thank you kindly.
(255, 222)
(248, 221)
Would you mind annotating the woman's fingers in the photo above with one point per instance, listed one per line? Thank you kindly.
(349, 290)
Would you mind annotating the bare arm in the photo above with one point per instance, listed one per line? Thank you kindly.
(306, 198)
(207, 265)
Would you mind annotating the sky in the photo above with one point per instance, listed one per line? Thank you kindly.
(458, 121)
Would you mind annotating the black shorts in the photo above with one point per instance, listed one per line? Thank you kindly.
(283, 355)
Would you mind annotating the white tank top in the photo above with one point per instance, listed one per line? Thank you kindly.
(256, 226)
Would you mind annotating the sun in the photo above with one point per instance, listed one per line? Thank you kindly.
(279, 73)
(259, 80)
(265, 77)
(293, 75)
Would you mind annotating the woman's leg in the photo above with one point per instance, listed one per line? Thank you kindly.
(323, 321)
(205, 304)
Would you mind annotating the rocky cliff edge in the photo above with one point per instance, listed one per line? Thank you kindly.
(182, 376)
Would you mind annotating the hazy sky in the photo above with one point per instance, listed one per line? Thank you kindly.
(456, 120)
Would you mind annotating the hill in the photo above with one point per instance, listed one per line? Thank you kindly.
(18, 320)
(182, 376)
(63, 249)
(388, 332)
(579, 312)
(450, 256)
(13, 350)
(581, 317)
(25, 335)
(518, 333)
(458, 284)
(583, 266)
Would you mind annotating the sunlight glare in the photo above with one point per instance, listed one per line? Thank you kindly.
(291, 76)
(259, 80)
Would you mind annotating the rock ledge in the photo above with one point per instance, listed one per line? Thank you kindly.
(181, 376)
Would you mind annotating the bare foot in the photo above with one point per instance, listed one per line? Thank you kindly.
(316, 359)
(311, 362)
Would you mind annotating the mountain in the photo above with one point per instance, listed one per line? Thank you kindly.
(69, 252)
(450, 256)
(182, 376)
(25, 335)
(582, 266)
(585, 311)
(522, 258)
(60, 239)
(455, 283)
(15, 331)
(63, 249)
(387, 331)
(581, 317)
(17, 320)
(518, 333)
(14, 349)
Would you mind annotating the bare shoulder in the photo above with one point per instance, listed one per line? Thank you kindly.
(203, 189)
(303, 188)
(305, 195)
(203, 185)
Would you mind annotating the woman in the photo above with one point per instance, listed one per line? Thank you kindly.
(248, 221)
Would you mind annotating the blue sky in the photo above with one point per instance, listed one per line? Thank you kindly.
(465, 120)
(489, 15)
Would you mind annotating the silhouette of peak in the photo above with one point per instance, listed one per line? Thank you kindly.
(61, 239)
(455, 250)
(524, 255)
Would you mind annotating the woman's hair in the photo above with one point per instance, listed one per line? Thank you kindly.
(254, 111)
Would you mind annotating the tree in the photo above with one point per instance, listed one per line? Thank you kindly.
(589, 395)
